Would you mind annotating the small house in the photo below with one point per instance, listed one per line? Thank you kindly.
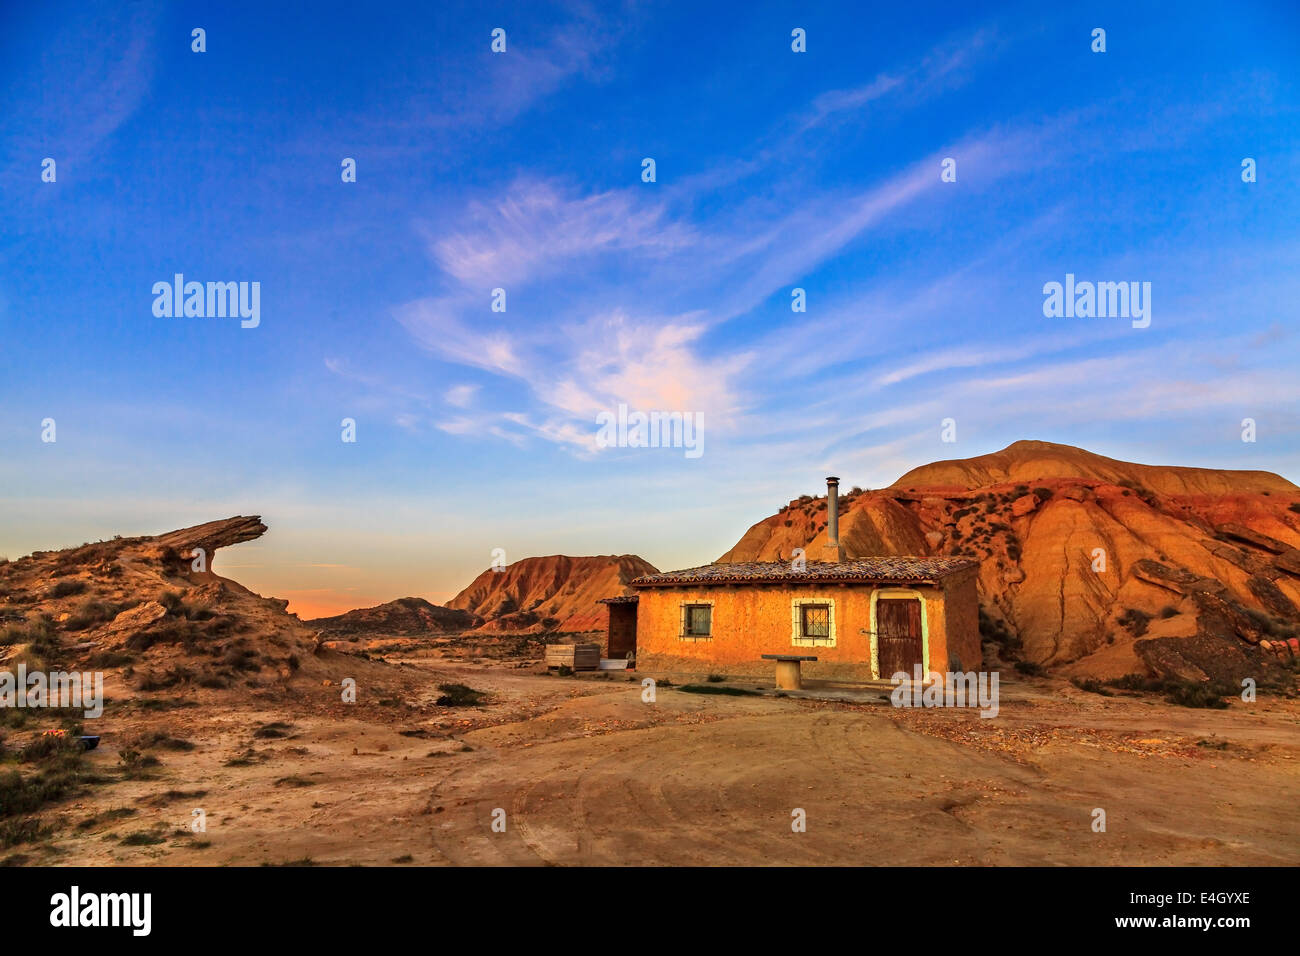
(862, 618)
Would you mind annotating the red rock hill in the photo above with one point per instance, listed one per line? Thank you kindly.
(1201, 566)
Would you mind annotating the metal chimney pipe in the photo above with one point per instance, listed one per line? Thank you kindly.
(832, 512)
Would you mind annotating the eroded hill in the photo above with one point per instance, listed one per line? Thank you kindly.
(557, 592)
(405, 617)
(1094, 565)
(150, 612)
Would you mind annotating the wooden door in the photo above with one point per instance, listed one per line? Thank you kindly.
(622, 630)
(898, 636)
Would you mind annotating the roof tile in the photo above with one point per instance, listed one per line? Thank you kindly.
(866, 570)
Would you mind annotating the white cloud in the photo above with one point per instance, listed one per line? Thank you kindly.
(460, 396)
(536, 227)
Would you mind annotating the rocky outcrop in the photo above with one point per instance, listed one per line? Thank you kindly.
(1083, 555)
(213, 535)
(138, 604)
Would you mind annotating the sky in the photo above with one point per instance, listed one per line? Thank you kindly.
(775, 170)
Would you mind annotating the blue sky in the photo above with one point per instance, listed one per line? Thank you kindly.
(522, 170)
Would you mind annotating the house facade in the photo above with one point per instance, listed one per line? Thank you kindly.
(863, 619)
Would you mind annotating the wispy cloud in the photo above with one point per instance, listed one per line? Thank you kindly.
(536, 228)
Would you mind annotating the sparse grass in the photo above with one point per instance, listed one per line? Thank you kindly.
(21, 830)
(997, 632)
(295, 781)
(1270, 625)
(142, 838)
(713, 689)
(459, 695)
(273, 731)
(247, 759)
(1184, 693)
(135, 765)
(60, 774)
(89, 613)
(1135, 621)
(67, 587)
(102, 660)
(1030, 668)
(715, 678)
(1146, 494)
(43, 642)
(159, 738)
(1199, 694)
(173, 676)
(1135, 682)
(1092, 686)
(49, 745)
(108, 816)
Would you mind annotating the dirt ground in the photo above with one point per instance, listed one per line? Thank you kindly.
(588, 773)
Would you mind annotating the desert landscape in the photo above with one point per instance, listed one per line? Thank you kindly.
(417, 734)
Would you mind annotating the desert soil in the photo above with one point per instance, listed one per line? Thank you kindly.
(589, 774)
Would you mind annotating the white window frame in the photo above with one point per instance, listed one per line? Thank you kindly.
(797, 638)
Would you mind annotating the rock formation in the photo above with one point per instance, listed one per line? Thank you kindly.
(1094, 565)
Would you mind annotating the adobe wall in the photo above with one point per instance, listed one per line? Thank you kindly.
(961, 598)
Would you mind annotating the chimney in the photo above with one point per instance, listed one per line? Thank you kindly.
(833, 551)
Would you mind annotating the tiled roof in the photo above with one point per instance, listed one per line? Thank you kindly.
(866, 570)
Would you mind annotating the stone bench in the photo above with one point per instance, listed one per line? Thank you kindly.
(788, 676)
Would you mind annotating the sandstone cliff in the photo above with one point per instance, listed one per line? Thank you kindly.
(1093, 565)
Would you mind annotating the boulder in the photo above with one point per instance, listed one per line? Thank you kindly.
(137, 618)
(1255, 538)
(1024, 505)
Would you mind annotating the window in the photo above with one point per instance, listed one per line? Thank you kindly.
(816, 621)
(812, 622)
(697, 620)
